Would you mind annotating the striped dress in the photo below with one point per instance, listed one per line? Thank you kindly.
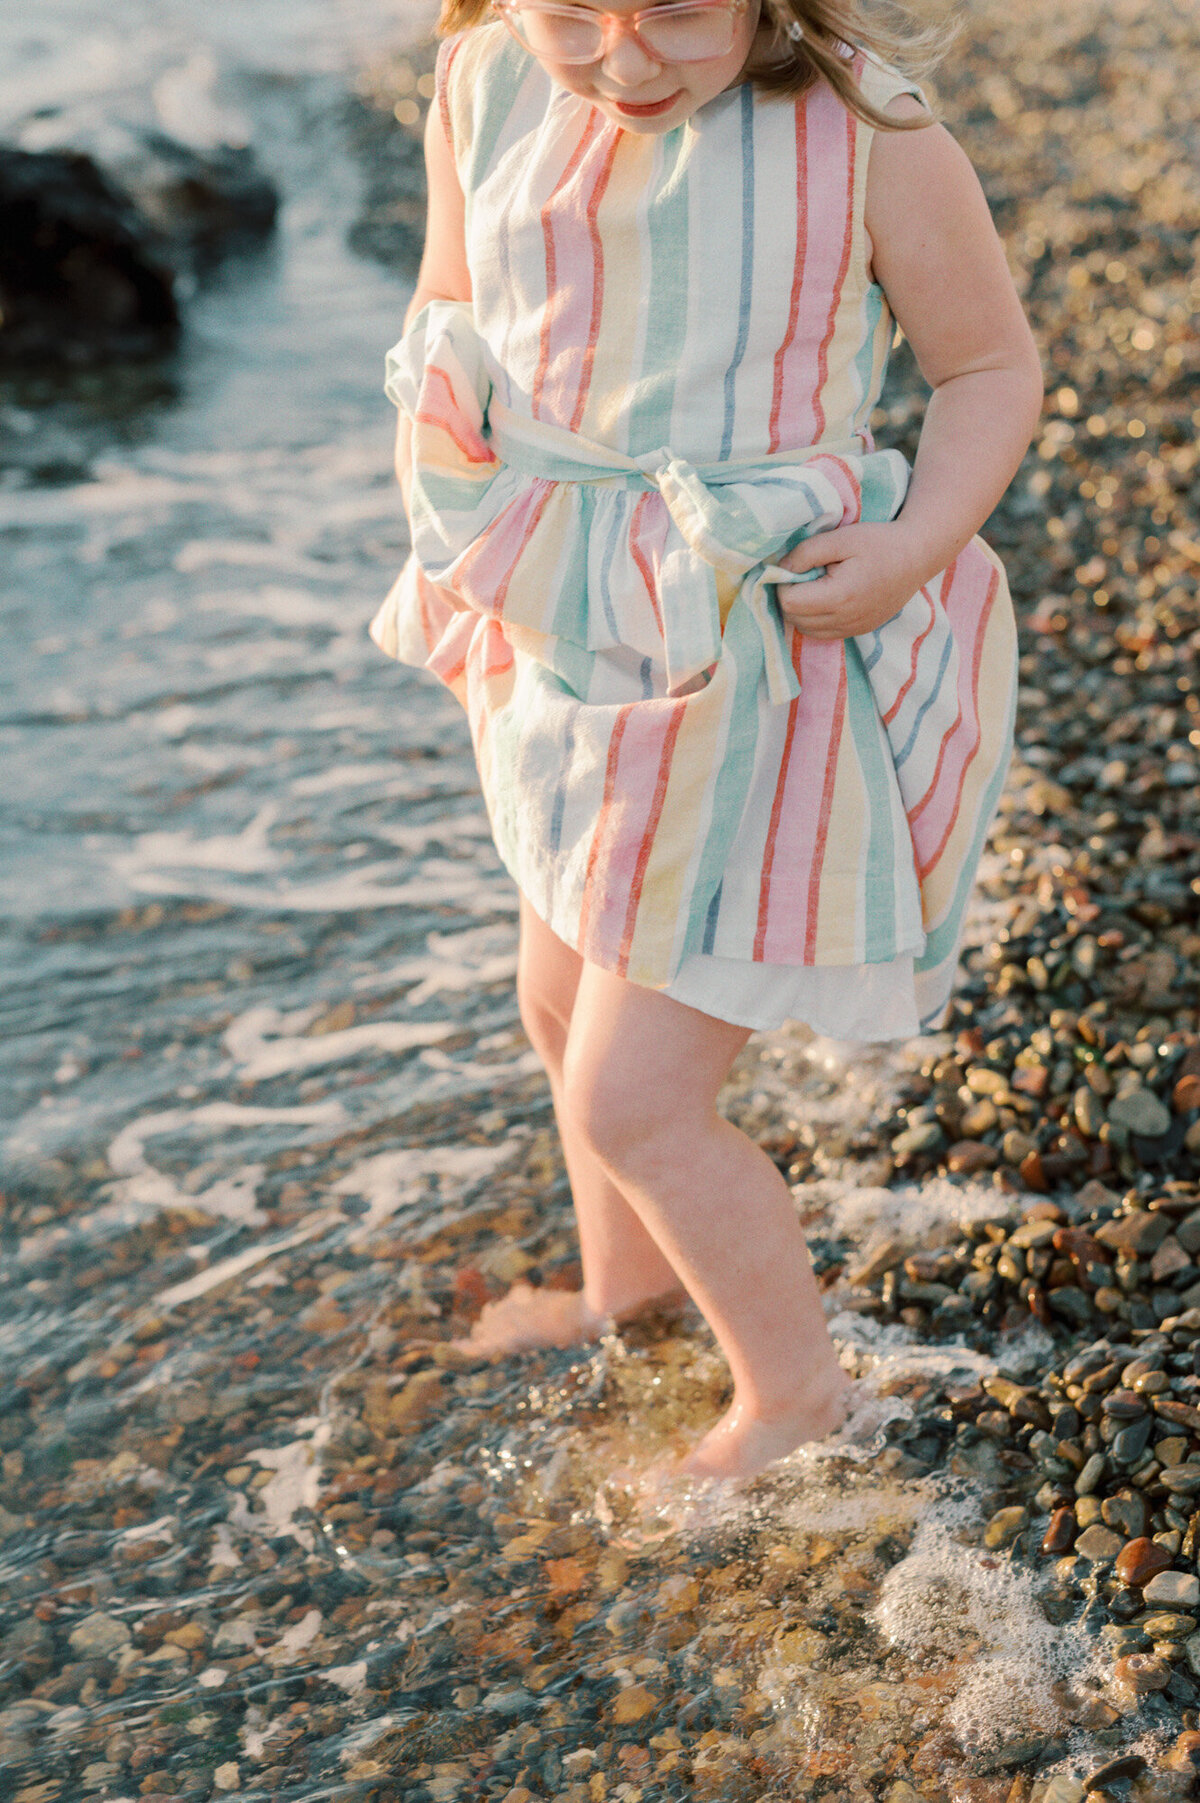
(662, 384)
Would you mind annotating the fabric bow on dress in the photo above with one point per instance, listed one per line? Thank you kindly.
(476, 461)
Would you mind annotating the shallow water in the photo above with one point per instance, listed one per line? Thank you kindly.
(269, 1117)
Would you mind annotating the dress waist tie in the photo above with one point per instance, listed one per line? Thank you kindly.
(734, 517)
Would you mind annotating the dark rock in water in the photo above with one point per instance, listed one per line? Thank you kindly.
(206, 204)
(88, 257)
(82, 274)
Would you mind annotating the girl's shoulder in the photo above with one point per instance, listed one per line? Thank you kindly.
(485, 82)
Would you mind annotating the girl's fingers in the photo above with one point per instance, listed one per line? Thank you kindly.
(830, 608)
(816, 597)
(857, 589)
(823, 548)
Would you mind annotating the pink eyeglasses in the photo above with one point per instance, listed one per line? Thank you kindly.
(690, 31)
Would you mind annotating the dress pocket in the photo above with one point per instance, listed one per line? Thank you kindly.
(942, 674)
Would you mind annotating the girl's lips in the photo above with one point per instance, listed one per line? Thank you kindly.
(646, 112)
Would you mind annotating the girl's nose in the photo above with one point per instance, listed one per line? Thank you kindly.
(626, 62)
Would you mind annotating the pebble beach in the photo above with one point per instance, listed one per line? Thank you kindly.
(274, 1135)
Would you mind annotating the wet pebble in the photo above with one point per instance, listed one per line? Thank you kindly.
(1098, 1542)
(1176, 1589)
(99, 1636)
(1143, 1673)
(1140, 1111)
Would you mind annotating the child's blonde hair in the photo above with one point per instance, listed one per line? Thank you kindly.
(811, 40)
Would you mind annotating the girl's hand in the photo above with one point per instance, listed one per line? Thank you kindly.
(870, 572)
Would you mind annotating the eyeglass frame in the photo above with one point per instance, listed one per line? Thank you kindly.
(624, 22)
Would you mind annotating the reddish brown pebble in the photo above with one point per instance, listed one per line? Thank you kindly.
(1143, 1672)
(1060, 1535)
(1080, 1245)
(1186, 1094)
(922, 1267)
(1031, 1171)
(1124, 1405)
(1032, 1082)
(1142, 1560)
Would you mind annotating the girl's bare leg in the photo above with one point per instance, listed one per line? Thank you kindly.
(640, 1083)
(623, 1269)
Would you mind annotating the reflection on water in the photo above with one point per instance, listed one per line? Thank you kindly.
(270, 1124)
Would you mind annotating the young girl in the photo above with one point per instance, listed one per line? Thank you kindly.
(740, 690)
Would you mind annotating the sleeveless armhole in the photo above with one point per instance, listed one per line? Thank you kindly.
(448, 92)
(479, 78)
(880, 84)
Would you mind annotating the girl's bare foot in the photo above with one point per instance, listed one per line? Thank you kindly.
(743, 1444)
(529, 1317)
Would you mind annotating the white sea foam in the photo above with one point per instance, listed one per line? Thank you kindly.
(255, 554)
(163, 1528)
(248, 852)
(188, 108)
(392, 1183)
(350, 1678)
(945, 1603)
(379, 776)
(291, 608)
(203, 1281)
(148, 869)
(262, 1048)
(118, 489)
(224, 1555)
(453, 964)
(142, 1189)
(464, 1074)
(296, 1484)
(921, 1212)
(447, 829)
(293, 1640)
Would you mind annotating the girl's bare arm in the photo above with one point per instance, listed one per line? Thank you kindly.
(943, 269)
(443, 274)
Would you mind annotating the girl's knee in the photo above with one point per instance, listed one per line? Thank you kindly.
(544, 1018)
(626, 1121)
